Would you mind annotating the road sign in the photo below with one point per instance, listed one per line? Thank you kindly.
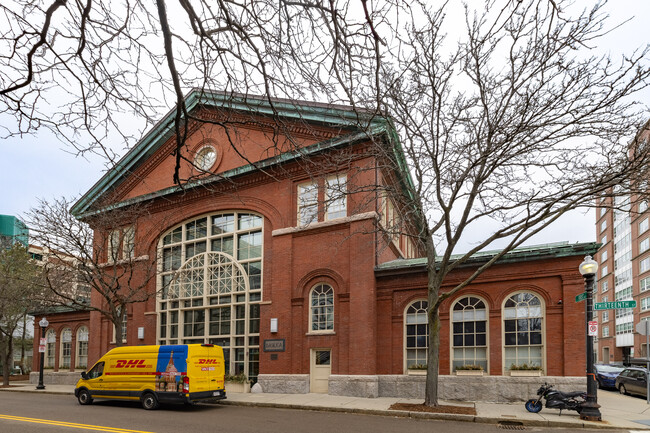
(614, 305)
(581, 297)
(593, 328)
(643, 327)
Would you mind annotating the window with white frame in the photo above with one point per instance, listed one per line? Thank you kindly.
(469, 333)
(82, 348)
(114, 245)
(603, 256)
(603, 211)
(644, 284)
(50, 348)
(644, 245)
(605, 331)
(644, 265)
(416, 339)
(643, 226)
(605, 316)
(66, 348)
(128, 242)
(307, 203)
(643, 206)
(336, 197)
(624, 328)
(604, 286)
(603, 225)
(321, 312)
(604, 271)
(210, 280)
(523, 330)
(603, 240)
(124, 326)
(645, 304)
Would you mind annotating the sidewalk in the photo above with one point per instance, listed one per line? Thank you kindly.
(618, 411)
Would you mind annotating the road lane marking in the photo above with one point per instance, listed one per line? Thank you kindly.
(70, 424)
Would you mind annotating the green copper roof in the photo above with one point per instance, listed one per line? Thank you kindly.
(521, 254)
(327, 114)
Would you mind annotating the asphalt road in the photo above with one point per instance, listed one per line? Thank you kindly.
(39, 413)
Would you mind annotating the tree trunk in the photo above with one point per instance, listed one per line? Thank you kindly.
(7, 361)
(433, 358)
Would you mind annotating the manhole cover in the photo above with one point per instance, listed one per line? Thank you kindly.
(511, 425)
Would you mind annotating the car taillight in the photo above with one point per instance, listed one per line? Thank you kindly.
(186, 384)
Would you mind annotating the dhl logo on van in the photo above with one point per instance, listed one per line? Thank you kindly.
(208, 361)
(131, 363)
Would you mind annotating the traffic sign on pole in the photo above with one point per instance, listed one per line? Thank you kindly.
(581, 297)
(614, 305)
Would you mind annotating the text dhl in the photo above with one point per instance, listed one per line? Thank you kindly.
(131, 363)
(208, 361)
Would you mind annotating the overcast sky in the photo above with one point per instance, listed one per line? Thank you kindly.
(42, 167)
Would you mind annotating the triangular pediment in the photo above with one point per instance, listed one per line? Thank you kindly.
(239, 132)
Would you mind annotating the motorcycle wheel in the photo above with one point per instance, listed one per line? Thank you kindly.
(533, 405)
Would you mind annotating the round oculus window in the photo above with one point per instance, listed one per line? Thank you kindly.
(205, 158)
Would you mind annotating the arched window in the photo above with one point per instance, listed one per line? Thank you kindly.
(417, 334)
(469, 333)
(321, 313)
(50, 348)
(66, 348)
(210, 281)
(523, 330)
(82, 348)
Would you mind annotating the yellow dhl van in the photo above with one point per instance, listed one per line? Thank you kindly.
(156, 374)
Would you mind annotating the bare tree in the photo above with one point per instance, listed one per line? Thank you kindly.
(85, 69)
(508, 130)
(98, 259)
(19, 287)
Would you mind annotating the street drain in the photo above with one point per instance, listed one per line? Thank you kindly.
(511, 425)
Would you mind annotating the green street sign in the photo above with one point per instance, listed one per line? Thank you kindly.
(581, 297)
(614, 305)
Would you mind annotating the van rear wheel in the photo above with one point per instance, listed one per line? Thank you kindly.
(84, 397)
(149, 401)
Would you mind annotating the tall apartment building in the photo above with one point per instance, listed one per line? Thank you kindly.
(622, 228)
(13, 229)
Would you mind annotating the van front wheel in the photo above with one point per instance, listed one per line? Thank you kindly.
(149, 401)
(84, 397)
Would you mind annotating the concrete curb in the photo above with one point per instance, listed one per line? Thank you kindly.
(425, 415)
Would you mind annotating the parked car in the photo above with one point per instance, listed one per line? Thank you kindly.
(632, 380)
(606, 375)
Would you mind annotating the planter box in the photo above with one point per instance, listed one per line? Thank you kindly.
(469, 372)
(417, 372)
(238, 387)
(525, 373)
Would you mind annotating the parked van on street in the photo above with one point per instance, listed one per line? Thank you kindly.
(184, 373)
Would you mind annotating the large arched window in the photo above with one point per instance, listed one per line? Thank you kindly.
(210, 282)
(469, 333)
(66, 348)
(523, 330)
(82, 348)
(321, 313)
(417, 334)
(50, 348)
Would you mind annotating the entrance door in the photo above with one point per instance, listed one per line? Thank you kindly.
(320, 370)
(605, 355)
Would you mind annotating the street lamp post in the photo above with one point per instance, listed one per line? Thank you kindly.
(590, 411)
(43, 324)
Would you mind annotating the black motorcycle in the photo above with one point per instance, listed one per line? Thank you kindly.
(556, 399)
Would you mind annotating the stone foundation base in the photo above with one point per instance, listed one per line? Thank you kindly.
(499, 389)
(56, 377)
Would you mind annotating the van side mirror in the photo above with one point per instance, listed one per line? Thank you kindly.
(84, 375)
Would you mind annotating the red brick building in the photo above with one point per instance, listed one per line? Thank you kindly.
(284, 246)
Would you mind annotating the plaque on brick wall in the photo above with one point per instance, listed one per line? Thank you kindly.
(274, 345)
